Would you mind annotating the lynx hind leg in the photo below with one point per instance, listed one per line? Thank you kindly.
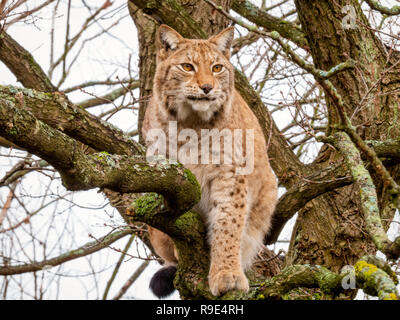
(226, 223)
(161, 284)
(163, 246)
(258, 224)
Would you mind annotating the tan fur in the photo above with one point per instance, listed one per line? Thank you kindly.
(236, 208)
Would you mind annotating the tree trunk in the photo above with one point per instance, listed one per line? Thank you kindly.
(330, 230)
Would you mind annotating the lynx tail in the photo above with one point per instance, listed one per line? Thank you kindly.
(162, 282)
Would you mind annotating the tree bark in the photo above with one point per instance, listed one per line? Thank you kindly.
(330, 230)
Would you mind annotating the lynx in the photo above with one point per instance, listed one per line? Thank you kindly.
(194, 88)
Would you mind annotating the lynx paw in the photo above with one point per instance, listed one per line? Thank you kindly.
(225, 280)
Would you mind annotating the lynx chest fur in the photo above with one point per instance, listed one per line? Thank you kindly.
(197, 117)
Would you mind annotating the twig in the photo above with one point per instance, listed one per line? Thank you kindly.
(117, 266)
(67, 256)
(7, 203)
(382, 9)
(131, 280)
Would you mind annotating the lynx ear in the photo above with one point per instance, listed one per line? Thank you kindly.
(168, 38)
(223, 40)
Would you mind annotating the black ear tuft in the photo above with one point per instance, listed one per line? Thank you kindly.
(162, 283)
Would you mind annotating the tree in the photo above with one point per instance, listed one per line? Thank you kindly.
(345, 193)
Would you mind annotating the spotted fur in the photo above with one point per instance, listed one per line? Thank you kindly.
(236, 208)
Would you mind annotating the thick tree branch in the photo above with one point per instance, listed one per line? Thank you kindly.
(172, 13)
(389, 149)
(308, 188)
(263, 19)
(369, 199)
(22, 65)
(57, 111)
(367, 276)
(79, 171)
(189, 235)
(375, 281)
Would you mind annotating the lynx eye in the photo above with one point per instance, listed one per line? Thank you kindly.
(187, 67)
(217, 68)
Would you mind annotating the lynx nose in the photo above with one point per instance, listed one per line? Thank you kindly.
(206, 88)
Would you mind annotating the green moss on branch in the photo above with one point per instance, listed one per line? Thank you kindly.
(375, 281)
(79, 171)
(368, 196)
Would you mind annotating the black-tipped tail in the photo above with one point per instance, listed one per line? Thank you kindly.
(162, 283)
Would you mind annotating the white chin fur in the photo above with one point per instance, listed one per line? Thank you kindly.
(203, 109)
(201, 106)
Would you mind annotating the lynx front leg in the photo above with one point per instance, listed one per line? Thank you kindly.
(227, 219)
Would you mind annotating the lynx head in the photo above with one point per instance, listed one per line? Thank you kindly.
(194, 78)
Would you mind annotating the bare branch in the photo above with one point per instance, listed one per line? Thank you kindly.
(382, 9)
(131, 280)
(7, 203)
(117, 266)
(84, 250)
(109, 97)
(107, 82)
